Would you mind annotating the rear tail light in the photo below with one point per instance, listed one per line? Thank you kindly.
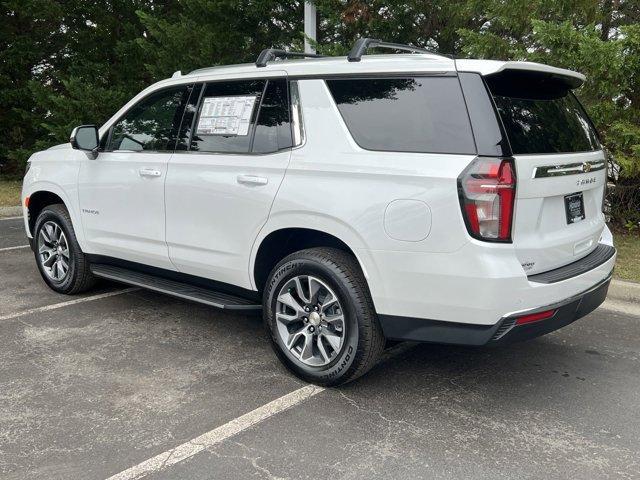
(487, 190)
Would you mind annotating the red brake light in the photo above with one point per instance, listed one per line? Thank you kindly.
(487, 190)
(535, 317)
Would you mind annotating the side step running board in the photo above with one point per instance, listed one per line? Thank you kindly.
(173, 288)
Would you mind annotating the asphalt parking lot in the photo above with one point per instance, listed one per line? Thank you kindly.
(109, 383)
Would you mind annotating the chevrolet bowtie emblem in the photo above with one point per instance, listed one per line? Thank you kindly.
(586, 167)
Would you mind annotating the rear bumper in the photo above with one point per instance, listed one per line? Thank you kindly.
(504, 331)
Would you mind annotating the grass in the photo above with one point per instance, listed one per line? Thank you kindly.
(10, 193)
(628, 262)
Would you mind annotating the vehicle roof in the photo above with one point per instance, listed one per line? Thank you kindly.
(394, 63)
(374, 64)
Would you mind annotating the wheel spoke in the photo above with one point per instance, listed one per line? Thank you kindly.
(45, 235)
(286, 319)
(50, 260)
(307, 348)
(63, 265)
(288, 300)
(323, 351)
(333, 339)
(314, 289)
(293, 338)
(328, 301)
(300, 291)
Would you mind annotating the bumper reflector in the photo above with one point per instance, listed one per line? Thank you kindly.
(535, 317)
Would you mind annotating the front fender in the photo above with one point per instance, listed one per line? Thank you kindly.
(59, 178)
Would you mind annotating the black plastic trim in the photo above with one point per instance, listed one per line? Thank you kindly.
(600, 255)
(504, 331)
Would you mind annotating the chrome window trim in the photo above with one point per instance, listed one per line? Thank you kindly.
(297, 120)
(568, 169)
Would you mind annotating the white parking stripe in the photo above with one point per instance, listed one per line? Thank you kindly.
(10, 218)
(66, 304)
(217, 435)
(6, 249)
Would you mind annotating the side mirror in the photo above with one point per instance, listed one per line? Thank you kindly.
(85, 137)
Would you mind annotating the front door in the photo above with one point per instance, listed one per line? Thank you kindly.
(121, 192)
(220, 189)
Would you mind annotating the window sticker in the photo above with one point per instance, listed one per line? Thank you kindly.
(226, 115)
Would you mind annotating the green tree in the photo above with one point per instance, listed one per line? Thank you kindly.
(202, 33)
(65, 63)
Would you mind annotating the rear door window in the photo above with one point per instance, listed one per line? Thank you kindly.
(242, 116)
(227, 116)
(417, 114)
(542, 117)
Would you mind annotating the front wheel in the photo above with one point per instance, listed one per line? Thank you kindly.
(60, 260)
(320, 316)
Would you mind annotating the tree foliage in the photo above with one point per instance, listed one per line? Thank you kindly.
(64, 63)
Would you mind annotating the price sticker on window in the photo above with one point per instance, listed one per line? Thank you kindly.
(226, 115)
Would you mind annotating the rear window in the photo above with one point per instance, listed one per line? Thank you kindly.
(540, 117)
(420, 114)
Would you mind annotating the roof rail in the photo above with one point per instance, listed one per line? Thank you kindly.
(269, 54)
(363, 44)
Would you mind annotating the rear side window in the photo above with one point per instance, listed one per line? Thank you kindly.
(419, 114)
(273, 129)
(542, 117)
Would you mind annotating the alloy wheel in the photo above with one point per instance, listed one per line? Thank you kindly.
(53, 251)
(310, 320)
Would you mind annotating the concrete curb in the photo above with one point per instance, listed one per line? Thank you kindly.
(10, 211)
(625, 291)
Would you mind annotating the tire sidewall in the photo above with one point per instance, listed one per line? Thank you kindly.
(49, 214)
(341, 366)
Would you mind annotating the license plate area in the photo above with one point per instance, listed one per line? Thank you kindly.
(574, 207)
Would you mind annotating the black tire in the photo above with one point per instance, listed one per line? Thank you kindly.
(364, 340)
(79, 277)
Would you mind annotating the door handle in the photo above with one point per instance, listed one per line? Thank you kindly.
(149, 172)
(252, 180)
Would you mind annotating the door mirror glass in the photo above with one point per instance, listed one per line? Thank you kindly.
(85, 137)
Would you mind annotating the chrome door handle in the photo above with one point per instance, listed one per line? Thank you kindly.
(149, 172)
(252, 180)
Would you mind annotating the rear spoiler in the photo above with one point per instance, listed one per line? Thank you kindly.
(568, 78)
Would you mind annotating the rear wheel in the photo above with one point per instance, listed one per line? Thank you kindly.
(60, 260)
(320, 316)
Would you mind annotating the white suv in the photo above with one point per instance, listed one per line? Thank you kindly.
(351, 200)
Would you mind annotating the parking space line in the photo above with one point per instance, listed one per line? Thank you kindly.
(66, 304)
(217, 435)
(6, 249)
(10, 218)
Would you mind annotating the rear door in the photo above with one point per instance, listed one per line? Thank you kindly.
(560, 166)
(221, 185)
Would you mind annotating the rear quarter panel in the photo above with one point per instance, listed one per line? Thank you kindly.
(337, 187)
